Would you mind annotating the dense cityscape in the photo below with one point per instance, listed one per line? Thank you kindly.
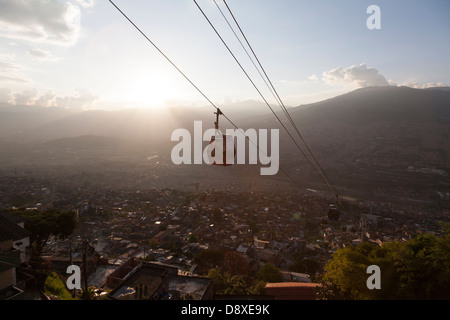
(175, 229)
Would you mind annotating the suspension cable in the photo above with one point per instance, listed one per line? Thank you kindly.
(189, 80)
(245, 72)
(321, 171)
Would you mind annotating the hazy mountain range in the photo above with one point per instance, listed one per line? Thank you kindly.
(383, 136)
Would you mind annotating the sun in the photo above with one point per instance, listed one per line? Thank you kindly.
(151, 90)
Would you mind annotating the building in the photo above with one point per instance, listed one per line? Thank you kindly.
(144, 282)
(141, 280)
(292, 290)
(12, 237)
(22, 244)
(289, 276)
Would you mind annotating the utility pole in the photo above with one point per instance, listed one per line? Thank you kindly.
(85, 291)
(71, 262)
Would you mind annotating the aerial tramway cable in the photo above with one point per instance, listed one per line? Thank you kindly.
(248, 77)
(218, 111)
(272, 89)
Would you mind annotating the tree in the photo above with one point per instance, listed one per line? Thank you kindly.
(224, 283)
(304, 265)
(347, 272)
(208, 259)
(238, 284)
(269, 273)
(218, 280)
(52, 222)
(416, 269)
(259, 287)
(236, 264)
(193, 238)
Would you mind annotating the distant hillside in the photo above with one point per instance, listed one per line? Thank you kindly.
(377, 141)
(85, 142)
(379, 137)
(375, 104)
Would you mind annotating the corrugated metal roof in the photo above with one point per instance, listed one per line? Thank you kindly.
(11, 231)
(14, 217)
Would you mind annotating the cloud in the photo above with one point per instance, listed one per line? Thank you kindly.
(6, 96)
(10, 71)
(49, 21)
(358, 76)
(4, 78)
(27, 97)
(79, 99)
(416, 85)
(313, 77)
(85, 3)
(41, 55)
(8, 66)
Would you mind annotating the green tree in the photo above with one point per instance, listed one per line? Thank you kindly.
(347, 271)
(207, 259)
(218, 280)
(237, 284)
(304, 265)
(416, 269)
(225, 283)
(259, 287)
(269, 273)
(53, 222)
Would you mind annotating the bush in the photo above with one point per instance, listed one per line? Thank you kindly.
(54, 286)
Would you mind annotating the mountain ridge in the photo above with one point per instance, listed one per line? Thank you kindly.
(377, 140)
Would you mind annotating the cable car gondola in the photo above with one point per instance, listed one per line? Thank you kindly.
(223, 139)
(334, 213)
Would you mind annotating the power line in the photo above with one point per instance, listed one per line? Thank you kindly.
(187, 78)
(248, 77)
(243, 47)
(170, 61)
(321, 171)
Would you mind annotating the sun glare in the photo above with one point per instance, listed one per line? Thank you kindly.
(151, 91)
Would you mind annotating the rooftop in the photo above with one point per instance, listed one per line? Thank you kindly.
(9, 230)
(144, 280)
(292, 290)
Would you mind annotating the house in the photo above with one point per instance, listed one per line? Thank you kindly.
(260, 244)
(292, 290)
(11, 238)
(144, 282)
(269, 255)
(22, 244)
(190, 287)
(137, 280)
(289, 276)
(243, 248)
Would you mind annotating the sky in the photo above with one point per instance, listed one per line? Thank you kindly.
(84, 54)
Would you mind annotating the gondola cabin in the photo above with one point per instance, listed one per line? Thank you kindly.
(334, 213)
(227, 159)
